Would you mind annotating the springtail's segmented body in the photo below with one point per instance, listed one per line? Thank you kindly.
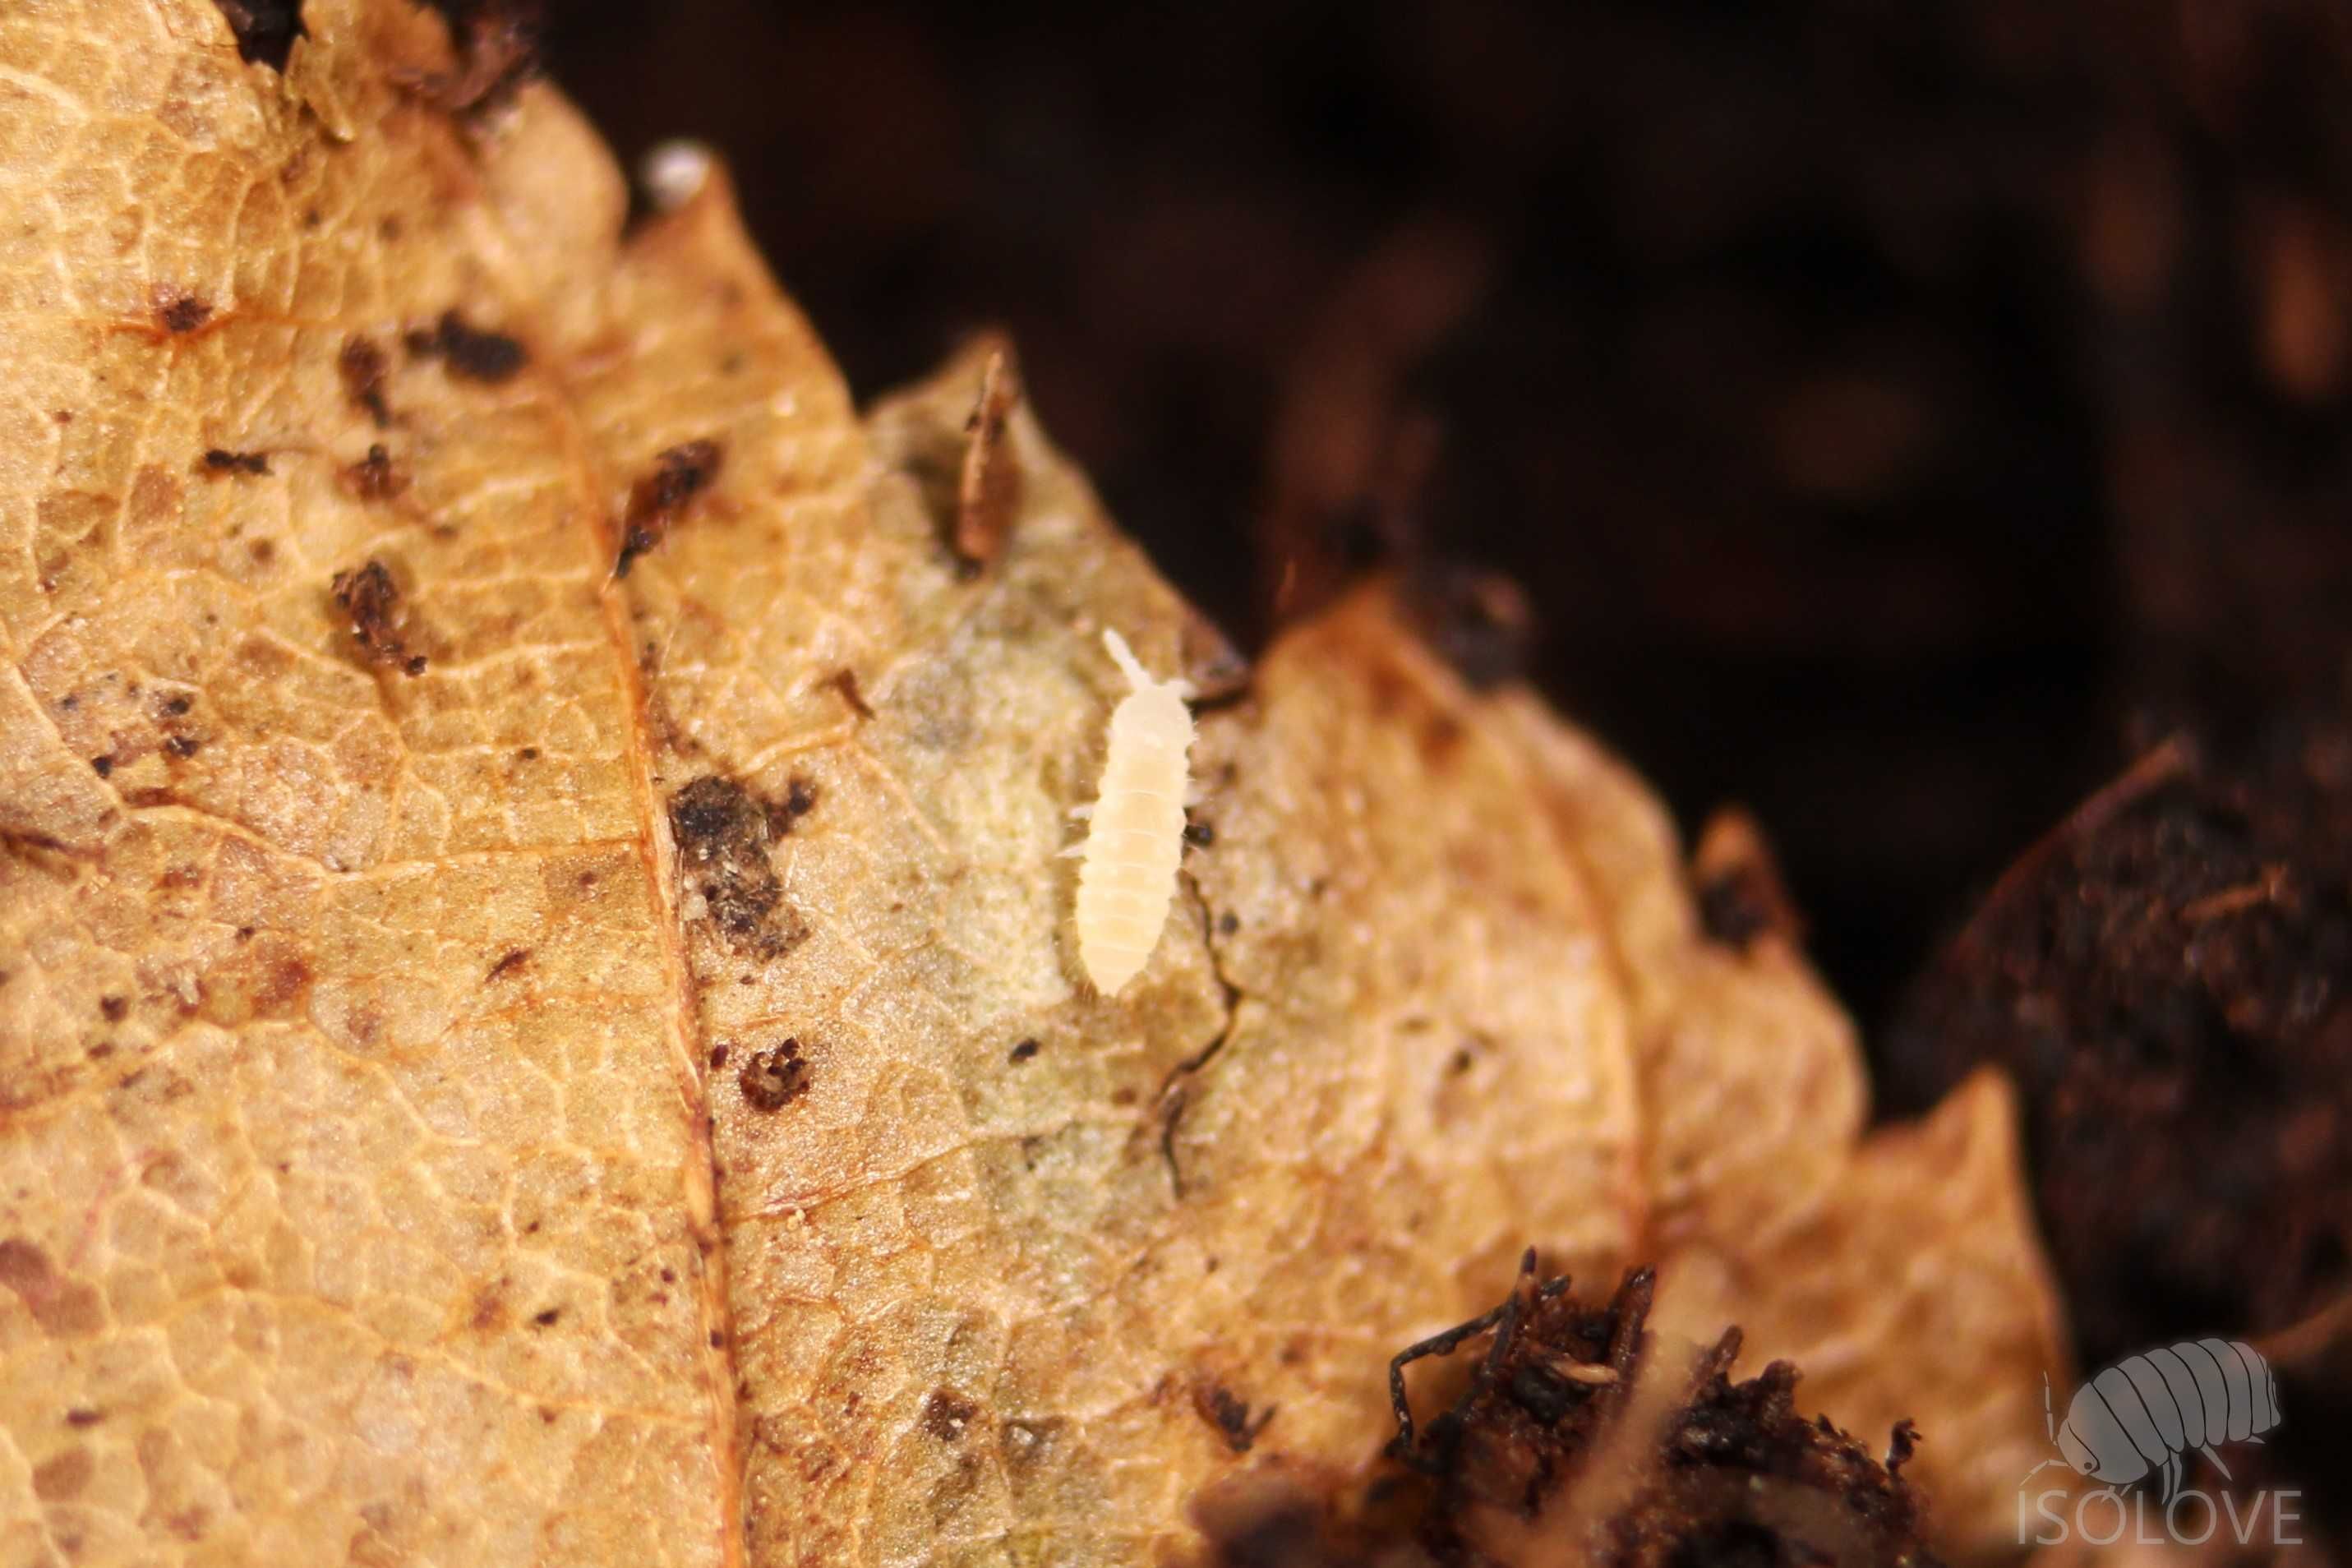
(1134, 834)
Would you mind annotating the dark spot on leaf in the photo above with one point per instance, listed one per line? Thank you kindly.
(723, 832)
(547, 1318)
(1024, 1051)
(66, 1308)
(183, 313)
(845, 682)
(717, 1337)
(1230, 1414)
(370, 596)
(1200, 835)
(61, 1477)
(221, 460)
(375, 477)
(489, 1307)
(719, 1055)
(508, 964)
(265, 30)
(946, 1414)
(362, 365)
(113, 1008)
(679, 474)
(104, 765)
(182, 746)
(469, 352)
(82, 1415)
(773, 1078)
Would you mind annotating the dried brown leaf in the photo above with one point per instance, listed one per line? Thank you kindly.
(787, 1200)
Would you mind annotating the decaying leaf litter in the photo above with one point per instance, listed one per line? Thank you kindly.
(620, 1090)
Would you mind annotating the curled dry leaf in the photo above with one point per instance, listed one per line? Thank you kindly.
(442, 1122)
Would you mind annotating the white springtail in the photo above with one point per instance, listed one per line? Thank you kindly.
(1134, 834)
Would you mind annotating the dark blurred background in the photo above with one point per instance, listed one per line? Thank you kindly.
(1895, 414)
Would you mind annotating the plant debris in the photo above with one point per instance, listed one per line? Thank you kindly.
(656, 500)
(723, 834)
(988, 485)
(370, 597)
(774, 1077)
(1572, 1439)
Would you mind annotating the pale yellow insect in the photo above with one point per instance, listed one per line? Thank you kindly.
(1134, 834)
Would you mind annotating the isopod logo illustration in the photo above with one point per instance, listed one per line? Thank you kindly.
(2143, 1414)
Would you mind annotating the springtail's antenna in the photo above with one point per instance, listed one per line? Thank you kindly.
(2049, 1416)
(1124, 657)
